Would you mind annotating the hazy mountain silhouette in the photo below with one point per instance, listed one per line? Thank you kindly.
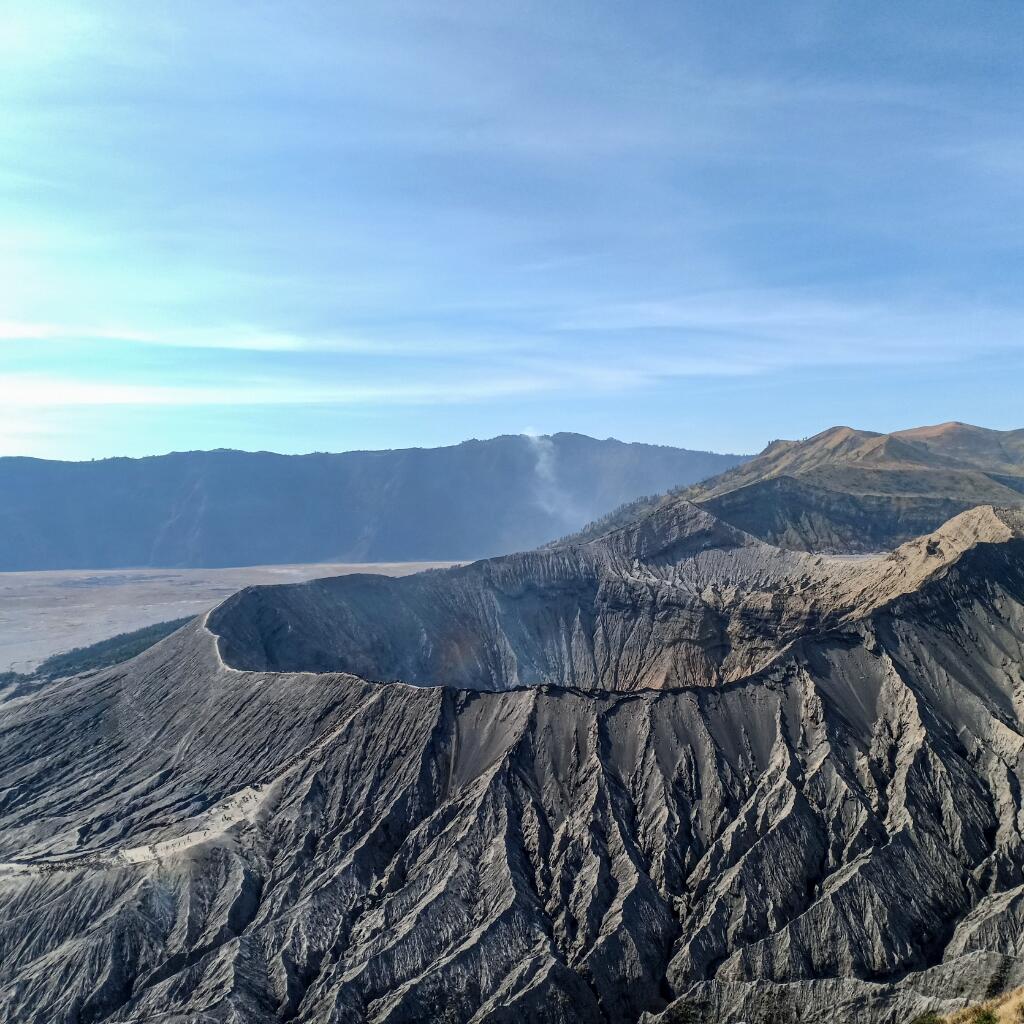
(224, 507)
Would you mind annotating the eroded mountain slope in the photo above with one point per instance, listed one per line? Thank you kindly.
(836, 836)
(855, 491)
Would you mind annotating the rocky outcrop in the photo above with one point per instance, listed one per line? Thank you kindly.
(826, 826)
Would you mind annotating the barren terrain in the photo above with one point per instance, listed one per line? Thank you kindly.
(672, 771)
(45, 613)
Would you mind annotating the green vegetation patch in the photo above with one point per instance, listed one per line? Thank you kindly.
(105, 653)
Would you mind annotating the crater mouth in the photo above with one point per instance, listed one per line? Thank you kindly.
(680, 600)
(452, 628)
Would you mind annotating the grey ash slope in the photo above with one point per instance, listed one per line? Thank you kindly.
(225, 508)
(833, 835)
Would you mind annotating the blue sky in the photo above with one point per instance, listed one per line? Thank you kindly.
(323, 226)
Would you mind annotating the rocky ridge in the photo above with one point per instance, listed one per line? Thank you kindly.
(856, 491)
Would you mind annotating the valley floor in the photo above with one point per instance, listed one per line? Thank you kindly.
(46, 613)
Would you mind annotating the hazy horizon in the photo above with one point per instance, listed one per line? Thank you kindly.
(347, 451)
(479, 440)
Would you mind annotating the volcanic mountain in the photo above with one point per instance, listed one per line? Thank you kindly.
(851, 491)
(227, 508)
(671, 771)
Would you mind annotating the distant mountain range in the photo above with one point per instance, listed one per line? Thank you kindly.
(855, 491)
(223, 508)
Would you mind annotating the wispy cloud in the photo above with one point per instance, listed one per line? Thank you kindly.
(541, 211)
(41, 391)
(236, 338)
(414, 343)
(621, 350)
(775, 329)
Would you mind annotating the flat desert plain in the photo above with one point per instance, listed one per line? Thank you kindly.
(46, 613)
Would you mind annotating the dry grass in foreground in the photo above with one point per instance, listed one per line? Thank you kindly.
(1005, 1009)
